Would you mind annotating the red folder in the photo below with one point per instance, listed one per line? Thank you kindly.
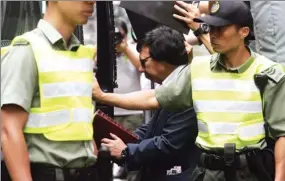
(104, 125)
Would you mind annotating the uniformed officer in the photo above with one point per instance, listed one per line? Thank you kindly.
(46, 105)
(238, 96)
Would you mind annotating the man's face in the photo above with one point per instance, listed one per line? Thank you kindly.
(152, 69)
(77, 12)
(226, 38)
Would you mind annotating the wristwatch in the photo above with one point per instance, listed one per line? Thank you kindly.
(124, 154)
(203, 29)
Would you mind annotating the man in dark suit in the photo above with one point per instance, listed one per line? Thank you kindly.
(166, 150)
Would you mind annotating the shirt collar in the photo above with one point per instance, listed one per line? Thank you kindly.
(54, 36)
(218, 64)
(173, 74)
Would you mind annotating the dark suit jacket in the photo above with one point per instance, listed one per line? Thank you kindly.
(166, 141)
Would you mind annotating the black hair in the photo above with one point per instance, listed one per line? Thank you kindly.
(165, 44)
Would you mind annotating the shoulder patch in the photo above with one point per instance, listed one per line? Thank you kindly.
(215, 7)
(275, 73)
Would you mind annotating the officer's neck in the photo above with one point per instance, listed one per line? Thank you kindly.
(236, 57)
(60, 24)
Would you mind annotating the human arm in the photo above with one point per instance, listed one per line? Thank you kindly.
(280, 159)
(13, 142)
(130, 52)
(203, 38)
(174, 95)
(116, 145)
(179, 130)
(274, 111)
(204, 7)
(141, 131)
(18, 82)
(140, 100)
(190, 12)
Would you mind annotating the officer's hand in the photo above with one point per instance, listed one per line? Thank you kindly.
(97, 93)
(116, 146)
(189, 12)
(122, 46)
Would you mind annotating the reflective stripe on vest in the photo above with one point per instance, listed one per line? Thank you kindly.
(232, 129)
(65, 86)
(66, 89)
(228, 105)
(41, 120)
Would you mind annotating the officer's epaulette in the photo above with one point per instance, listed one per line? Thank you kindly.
(21, 43)
(275, 73)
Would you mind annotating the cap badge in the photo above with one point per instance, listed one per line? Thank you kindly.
(215, 7)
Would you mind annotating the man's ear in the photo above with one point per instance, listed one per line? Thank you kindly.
(244, 32)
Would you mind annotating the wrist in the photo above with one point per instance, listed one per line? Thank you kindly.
(124, 153)
(202, 29)
(98, 95)
(125, 48)
(102, 96)
(123, 157)
(194, 26)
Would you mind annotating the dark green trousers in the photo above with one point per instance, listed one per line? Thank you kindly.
(202, 174)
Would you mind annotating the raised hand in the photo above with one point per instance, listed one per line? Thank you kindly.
(189, 12)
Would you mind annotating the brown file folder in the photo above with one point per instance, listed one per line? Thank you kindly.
(104, 125)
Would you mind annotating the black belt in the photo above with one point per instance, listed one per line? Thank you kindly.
(260, 162)
(43, 172)
(217, 162)
(64, 174)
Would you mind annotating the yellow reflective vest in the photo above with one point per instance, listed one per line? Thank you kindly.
(228, 105)
(65, 87)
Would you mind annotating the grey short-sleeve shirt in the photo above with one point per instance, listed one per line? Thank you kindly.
(18, 76)
(19, 85)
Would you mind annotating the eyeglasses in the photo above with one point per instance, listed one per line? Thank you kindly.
(143, 61)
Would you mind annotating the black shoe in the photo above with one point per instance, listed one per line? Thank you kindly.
(121, 174)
